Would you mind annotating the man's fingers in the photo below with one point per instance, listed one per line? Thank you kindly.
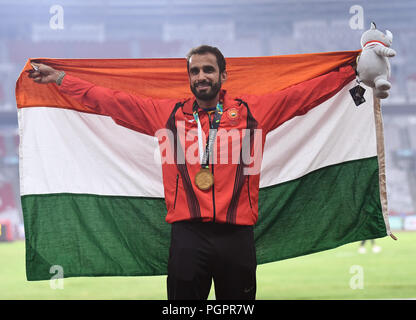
(35, 66)
(42, 68)
(41, 73)
(34, 74)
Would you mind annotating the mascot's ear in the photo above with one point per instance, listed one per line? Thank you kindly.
(389, 35)
(373, 26)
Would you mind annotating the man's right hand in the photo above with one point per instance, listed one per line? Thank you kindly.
(41, 73)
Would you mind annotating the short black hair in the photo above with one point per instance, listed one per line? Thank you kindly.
(202, 49)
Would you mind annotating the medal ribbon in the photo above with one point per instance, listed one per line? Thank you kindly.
(204, 157)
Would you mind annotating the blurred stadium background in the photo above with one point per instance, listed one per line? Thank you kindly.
(162, 28)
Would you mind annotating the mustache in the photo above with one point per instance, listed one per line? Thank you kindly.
(202, 83)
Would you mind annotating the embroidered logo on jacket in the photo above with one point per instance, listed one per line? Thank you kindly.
(233, 115)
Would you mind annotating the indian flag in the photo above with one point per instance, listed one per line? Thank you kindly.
(92, 192)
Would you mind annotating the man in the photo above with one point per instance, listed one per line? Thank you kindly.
(212, 205)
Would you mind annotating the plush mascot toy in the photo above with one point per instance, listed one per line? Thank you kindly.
(373, 67)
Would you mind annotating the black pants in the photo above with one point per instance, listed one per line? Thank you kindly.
(204, 251)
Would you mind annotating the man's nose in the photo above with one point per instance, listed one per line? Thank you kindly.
(201, 76)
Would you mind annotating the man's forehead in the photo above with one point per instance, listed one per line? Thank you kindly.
(203, 59)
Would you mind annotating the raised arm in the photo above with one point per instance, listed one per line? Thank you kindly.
(273, 109)
(140, 114)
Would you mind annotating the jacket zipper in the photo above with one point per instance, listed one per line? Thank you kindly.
(248, 190)
(176, 192)
(213, 193)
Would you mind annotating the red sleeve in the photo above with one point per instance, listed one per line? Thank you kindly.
(273, 109)
(145, 115)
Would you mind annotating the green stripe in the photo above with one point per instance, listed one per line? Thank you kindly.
(327, 208)
(91, 235)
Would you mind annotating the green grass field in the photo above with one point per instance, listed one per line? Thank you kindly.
(324, 275)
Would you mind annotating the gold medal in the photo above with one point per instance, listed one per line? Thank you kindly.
(204, 179)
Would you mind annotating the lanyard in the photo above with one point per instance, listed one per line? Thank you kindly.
(204, 157)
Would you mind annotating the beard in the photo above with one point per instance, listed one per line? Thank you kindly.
(207, 95)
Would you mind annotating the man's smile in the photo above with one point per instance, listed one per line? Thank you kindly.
(203, 85)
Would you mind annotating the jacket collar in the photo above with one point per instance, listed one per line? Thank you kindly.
(187, 108)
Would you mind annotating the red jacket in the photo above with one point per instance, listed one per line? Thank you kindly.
(234, 195)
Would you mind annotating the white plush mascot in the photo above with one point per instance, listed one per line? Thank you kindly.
(373, 67)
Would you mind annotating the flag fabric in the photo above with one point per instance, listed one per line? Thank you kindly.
(92, 191)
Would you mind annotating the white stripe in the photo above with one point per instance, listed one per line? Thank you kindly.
(67, 151)
(334, 132)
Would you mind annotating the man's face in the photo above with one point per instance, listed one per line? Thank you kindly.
(204, 76)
